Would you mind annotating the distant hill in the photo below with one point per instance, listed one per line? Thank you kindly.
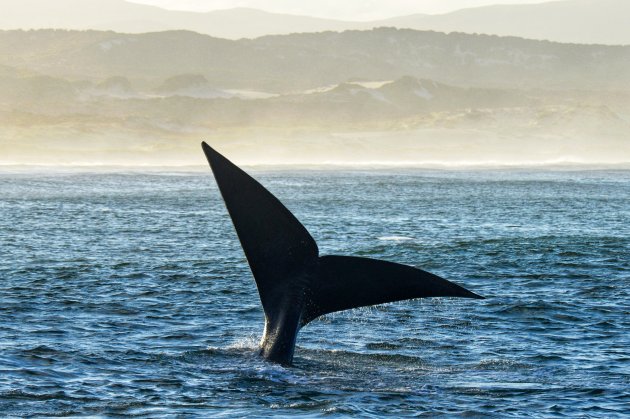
(105, 97)
(303, 61)
(51, 120)
(572, 21)
(127, 17)
(404, 103)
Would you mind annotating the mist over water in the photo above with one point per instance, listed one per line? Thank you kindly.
(432, 149)
(127, 293)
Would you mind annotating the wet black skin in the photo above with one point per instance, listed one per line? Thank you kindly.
(295, 284)
(284, 322)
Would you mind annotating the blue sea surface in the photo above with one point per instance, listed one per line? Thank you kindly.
(127, 294)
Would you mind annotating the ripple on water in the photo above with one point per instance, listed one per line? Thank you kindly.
(102, 314)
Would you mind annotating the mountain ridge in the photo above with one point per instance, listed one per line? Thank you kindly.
(281, 63)
(569, 21)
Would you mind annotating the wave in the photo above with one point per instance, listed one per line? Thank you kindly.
(395, 238)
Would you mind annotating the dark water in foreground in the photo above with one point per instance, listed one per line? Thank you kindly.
(128, 294)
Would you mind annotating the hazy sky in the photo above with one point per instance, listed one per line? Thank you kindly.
(336, 9)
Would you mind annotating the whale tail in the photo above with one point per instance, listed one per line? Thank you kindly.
(295, 284)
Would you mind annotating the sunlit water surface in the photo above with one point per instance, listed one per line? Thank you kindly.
(128, 294)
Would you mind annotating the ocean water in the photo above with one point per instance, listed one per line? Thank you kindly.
(127, 294)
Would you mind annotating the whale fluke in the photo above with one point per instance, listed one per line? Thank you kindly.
(295, 284)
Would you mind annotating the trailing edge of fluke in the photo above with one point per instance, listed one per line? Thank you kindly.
(295, 284)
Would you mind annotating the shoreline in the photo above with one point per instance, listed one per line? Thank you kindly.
(326, 167)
